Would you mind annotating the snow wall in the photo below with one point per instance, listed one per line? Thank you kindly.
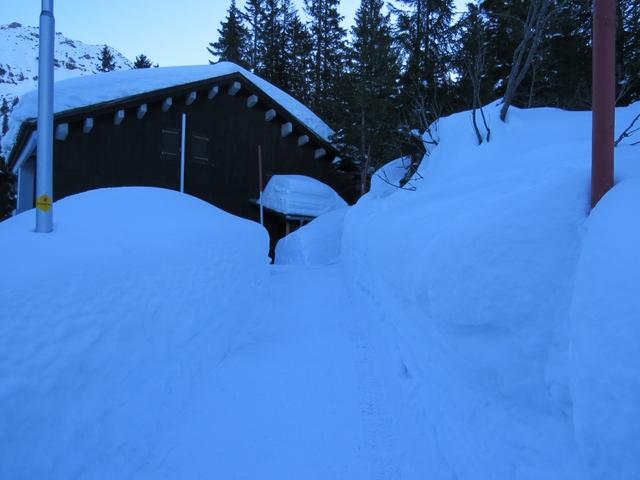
(474, 277)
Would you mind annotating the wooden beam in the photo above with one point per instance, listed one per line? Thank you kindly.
(142, 111)
(286, 129)
(191, 98)
(166, 105)
(87, 126)
(269, 115)
(319, 153)
(118, 117)
(251, 101)
(62, 131)
(213, 92)
(234, 88)
(303, 140)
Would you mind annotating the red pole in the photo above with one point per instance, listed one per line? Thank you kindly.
(603, 98)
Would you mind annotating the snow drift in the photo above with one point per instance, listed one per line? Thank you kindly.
(104, 340)
(605, 336)
(473, 276)
(317, 243)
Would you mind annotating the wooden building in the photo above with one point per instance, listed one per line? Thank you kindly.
(194, 129)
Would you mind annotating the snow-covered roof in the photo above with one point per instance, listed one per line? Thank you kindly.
(86, 91)
(300, 195)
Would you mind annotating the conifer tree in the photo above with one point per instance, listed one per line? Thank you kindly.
(628, 51)
(272, 44)
(232, 39)
(7, 190)
(107, 61)
(142, 61)
(328, 40)
(297, 52)
(253, 16)
(425, 34)
(4, 113)
(370, 120)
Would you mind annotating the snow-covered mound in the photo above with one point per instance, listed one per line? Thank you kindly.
(111, 325)
(19, 60)
(388, 178)
(474, 276)
(300, 195)
(317, 243)
(82, 92)
(605, 336)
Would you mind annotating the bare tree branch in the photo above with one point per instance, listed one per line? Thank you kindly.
(628, 132)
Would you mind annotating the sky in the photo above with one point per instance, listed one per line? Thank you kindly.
(168, 32)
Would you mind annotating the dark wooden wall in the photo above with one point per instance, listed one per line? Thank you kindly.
(221, 164)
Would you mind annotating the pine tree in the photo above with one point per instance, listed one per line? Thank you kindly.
(297, 53)
(561, 74)
(271, 47)
(328, 51)
(253, 16)
(504, 19)
(142, 61)
(425, 34)
(628, 51)
(4, 113)
(107, 61)
(7, 191)
(370, 119)
(232, 39)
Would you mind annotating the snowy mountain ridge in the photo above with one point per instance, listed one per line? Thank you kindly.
(19, 60)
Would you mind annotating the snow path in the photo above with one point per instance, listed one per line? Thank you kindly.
(300, 395)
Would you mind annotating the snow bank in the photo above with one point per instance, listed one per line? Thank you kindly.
(605, 336)
(387, 179)
(473, 275)
(300, 195)
(111, 326)
(84, 91)
(317, 243)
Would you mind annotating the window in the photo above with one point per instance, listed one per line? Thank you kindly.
(200, 149)
(170, 143)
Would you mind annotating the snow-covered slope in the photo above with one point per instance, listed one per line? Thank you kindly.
(19, 60)
(512, 312)
(474, 275)
(484, 326)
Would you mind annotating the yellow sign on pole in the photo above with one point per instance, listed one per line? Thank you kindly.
(44, 202)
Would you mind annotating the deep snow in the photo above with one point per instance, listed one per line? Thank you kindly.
(481, 326)
(112, 324)
(515, 330)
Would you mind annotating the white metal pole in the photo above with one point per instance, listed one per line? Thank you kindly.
(182, 145)
(44, 173)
